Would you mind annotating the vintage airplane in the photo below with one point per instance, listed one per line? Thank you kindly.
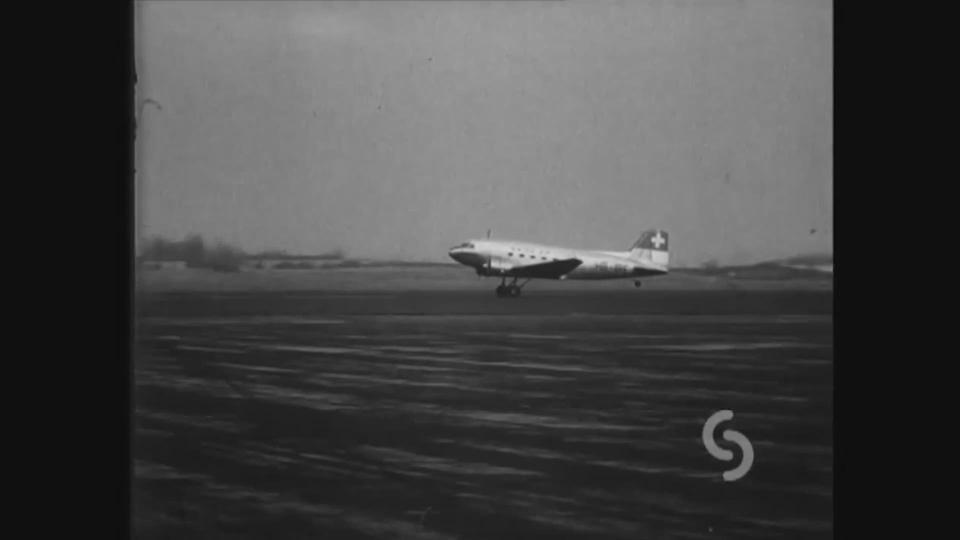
(649, 256)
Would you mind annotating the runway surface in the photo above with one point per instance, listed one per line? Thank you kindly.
(455, 414)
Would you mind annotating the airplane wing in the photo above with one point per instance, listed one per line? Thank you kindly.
(547, 270)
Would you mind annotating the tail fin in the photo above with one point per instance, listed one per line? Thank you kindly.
(653, 246)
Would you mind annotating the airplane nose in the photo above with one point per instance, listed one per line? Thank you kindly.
(463, 256)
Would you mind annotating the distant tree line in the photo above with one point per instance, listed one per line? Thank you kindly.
(195, 252)
(275, 255)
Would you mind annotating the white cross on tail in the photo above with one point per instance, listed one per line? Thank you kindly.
(658, 240)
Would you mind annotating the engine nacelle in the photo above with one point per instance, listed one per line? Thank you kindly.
(487, 271)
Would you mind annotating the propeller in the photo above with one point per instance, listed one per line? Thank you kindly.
(486, 268)
(489, 257)
(489, 265)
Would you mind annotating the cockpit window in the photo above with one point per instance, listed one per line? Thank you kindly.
(468, 245)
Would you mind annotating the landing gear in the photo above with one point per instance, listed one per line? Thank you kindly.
(509, 291)
(637, 284)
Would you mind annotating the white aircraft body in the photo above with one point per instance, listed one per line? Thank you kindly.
(649, 256)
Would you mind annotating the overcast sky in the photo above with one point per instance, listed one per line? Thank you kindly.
(398, 129)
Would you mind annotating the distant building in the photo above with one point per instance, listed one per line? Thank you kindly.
(163, 265)
(290, 262)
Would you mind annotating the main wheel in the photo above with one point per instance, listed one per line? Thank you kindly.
(501, 291)
(637, 284)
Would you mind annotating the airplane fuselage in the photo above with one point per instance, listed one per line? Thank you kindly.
(501, 257)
